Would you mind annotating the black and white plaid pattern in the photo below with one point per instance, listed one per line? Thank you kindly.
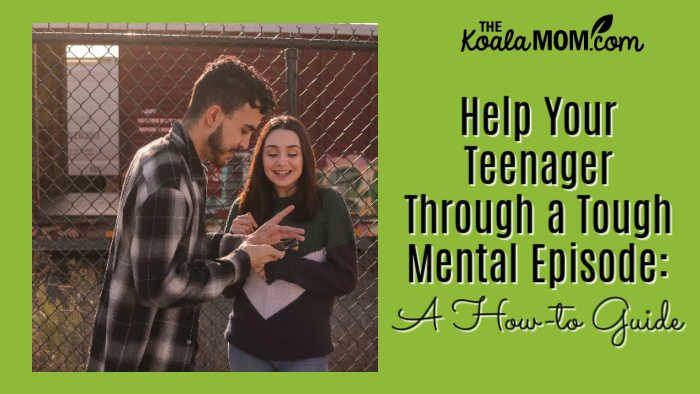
(161, 263)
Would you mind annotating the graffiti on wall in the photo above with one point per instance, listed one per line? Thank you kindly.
(355, 178)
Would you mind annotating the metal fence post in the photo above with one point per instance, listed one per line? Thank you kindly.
(291, 58)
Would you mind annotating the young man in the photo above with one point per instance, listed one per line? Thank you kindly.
(161, 262)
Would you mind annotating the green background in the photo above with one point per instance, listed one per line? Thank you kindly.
(422, 76)
(654, 144)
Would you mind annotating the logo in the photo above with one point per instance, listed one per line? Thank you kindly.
(594, 40)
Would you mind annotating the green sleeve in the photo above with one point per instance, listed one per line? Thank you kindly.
(232, 213)
(340, 229)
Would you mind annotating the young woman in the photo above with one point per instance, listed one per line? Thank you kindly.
(281, 318)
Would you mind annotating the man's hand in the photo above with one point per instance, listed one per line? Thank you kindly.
(260, 255)
(271, 232)
(243, 224)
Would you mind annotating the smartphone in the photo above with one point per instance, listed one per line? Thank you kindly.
(286, 244)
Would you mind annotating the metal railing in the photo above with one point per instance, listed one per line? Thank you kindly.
(102, 91)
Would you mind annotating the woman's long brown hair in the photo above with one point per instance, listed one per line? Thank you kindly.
(258, 195)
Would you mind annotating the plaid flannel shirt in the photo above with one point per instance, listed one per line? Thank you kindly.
(161, 263)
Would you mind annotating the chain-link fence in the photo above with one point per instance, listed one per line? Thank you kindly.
(101, 91)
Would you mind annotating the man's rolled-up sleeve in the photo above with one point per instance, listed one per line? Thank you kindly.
(163, 276)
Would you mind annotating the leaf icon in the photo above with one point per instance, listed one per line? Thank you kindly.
(603, 23)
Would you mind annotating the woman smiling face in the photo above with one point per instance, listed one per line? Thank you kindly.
(283, 161)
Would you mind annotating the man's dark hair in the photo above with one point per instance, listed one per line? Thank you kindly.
(230, 84)
(258, 194)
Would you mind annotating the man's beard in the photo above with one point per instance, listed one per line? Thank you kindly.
(215, 144)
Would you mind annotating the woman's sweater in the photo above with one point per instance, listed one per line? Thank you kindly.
(288, 318)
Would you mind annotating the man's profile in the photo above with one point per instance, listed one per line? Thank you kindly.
(162, 264)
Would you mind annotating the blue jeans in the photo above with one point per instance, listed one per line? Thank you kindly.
(240, 361)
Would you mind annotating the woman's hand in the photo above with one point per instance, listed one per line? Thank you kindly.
(243, 224)
(271, 232)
